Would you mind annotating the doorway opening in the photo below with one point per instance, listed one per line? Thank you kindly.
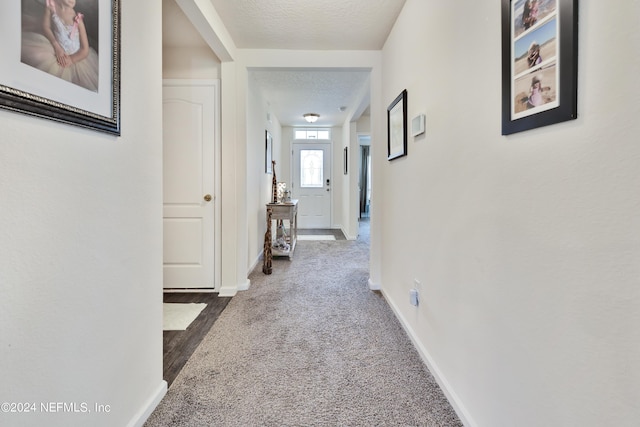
(191, 165)
(364, 177)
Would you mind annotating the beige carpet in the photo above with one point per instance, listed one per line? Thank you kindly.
(178, 316)
(309, 345)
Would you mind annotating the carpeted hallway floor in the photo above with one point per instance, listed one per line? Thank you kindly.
(309, 345)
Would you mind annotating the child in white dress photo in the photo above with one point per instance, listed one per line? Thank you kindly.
(57, 42)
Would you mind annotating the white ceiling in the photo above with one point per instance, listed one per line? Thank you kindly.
(309, 24)
(300, 25)
(291, 93)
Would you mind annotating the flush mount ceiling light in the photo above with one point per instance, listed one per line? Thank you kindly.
(311, 117)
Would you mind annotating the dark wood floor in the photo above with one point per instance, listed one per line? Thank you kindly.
(179, 345)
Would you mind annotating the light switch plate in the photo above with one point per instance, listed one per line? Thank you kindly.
(417, 125)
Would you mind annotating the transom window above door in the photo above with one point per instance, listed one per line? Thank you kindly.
(312, 134)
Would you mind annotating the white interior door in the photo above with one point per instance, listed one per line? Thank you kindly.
(311, 184)
(189, 185)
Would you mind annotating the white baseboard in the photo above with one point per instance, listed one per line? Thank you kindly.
(141, 417)
(255, 263)
(245, 286)
(227, 291)
(373, 286)
(448, 391)
(347, 236)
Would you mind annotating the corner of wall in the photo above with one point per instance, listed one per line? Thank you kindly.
(154, 400)
(348, 235)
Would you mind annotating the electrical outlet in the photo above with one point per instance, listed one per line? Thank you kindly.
(414, 297)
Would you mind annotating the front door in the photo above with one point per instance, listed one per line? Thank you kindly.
(188, 185)
(311, 183)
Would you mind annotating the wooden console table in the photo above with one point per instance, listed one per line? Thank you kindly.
(288, 234)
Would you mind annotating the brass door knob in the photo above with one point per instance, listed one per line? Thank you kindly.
(207, 197)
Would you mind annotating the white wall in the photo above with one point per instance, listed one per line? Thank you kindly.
(364, 124)
(286, 148)
(190, 63)
(526, 246)
(348, 193)
(337, 176)
(259, 184)
(81, 306)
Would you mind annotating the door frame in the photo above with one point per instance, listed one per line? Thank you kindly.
(329, 143)
(217, 168)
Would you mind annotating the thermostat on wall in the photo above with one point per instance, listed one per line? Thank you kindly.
(417, 125)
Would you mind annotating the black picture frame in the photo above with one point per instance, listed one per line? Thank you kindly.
(268, 152)
(26, 89)
(397, 127)
(539, 63)
(345, 159)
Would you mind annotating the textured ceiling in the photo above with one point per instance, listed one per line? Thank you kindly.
(301, 25)
(292, 93)
(309, 25)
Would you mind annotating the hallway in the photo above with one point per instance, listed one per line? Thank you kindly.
(308, 345)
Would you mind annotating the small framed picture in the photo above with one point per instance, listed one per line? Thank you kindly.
(397, 127)
(346, 160)
(268, 152)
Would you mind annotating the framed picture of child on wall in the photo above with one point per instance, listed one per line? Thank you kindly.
(539, 63)
(61, 61)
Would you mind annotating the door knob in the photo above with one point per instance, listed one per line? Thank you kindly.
(207, 198)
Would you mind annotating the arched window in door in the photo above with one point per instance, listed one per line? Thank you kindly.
(311, 168)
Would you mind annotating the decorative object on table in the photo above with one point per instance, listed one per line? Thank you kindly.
(274, 183)
(539, 63)
(287, 196)
(282, 187)
(397, 127)
(268, 152)
(281, 243)
(274, 189)
(33, 83)
(267, 257)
